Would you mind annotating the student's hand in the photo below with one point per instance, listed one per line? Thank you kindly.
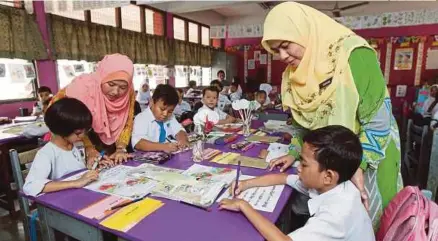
(88, 177)
(241, 187)
(263, 153)
(120, 156)
(170, 147)
(358, 180)
(235, 205)
(283, 163)
(183, 143)
(93, 154)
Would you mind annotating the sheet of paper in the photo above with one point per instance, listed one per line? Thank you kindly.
(260, 198)
(225, 158)
(264, 139)
(276, 150)
(100, 209)
(253, 162)
(129, 216)
(219, 174)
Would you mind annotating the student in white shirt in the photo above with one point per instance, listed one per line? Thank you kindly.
(260, 97)
(44, 96)
(223, 100)
(68, 119)
(210, 99)
(182, 105)
(235, 93)
(156, 128)
(144, 95)
(329, 158)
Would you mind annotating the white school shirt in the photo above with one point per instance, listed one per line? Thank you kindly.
(222, 115)
(434, 119)
(37, 108)
(146, 127)
(336, 215)
(235, 96)
(50, 163)
(223, 101)
(181, 108)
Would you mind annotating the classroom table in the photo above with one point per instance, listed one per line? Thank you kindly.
(173, 221)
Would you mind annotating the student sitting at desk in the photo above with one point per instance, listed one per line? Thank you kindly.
(156, 127)
(68, 119)
(329, 158)
(210, 99)
(223, 100)
(44, 96)
(236, 92)
(260, 97)
(182, 105)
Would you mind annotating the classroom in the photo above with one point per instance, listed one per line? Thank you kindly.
(218, 120)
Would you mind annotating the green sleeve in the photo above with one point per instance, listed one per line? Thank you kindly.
(370, 85)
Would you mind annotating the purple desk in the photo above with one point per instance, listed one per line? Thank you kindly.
(173, 221)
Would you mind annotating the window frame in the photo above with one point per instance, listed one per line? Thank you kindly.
(200, 25)
(36, 85)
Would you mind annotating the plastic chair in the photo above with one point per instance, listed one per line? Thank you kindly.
(18, 160)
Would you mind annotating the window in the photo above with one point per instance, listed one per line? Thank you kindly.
(17, 79)
(69, 69)
(78, 15)
(206, 76)
(10, 3)
(179, 30)
(104, 16)
(205, 36)
(193, 33)
(131, 18)
(156, 74)
(149, 18)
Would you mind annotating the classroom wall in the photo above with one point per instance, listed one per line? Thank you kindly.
(396, 77)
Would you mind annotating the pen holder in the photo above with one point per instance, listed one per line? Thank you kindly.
(198, 147)
(247, 127)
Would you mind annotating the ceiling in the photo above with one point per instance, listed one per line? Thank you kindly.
(204, 11)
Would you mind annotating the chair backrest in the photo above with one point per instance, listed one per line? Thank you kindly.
(17, 161)
(432, 180)
(416, 155)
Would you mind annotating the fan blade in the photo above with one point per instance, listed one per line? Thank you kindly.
(354, 6)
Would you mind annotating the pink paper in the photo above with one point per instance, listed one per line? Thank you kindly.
(100, 209)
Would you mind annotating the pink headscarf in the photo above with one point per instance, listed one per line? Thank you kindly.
(109, 117)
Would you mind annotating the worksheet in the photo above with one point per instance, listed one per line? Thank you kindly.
(220, 174)
(260, 198)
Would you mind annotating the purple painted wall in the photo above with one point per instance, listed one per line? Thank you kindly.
(46, 69)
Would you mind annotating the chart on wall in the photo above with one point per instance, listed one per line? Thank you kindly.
(403, 59)
(432, 58)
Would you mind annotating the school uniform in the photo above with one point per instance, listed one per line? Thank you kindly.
(37, 107)
(181, 108)
(222, 115)
(50, 163)
(337, 214)
(223, 101)
(235, 96)
(148, 128)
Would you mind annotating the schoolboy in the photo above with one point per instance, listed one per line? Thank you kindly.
(156, 128)
(235, 94)
(223, 100)
(209, 99)
(44, 94)
(68, 120)
(329, 158)
(182, 106)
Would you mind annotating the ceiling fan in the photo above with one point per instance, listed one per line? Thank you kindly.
(336, 11)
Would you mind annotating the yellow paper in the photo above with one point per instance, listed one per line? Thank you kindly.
(264, 139)
(225, 158)
(253, 162)
(129, 216)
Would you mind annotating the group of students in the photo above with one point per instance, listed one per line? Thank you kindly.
(330, 155)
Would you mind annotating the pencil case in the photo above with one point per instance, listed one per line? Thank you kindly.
(226, 139)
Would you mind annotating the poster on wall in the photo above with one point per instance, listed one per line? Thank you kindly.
(263, 59)
(403, 59)
(2, 70)
(17, 73)
(79, 68)
(251, 64)
(257, 55)
(69, 71)
(30, 72)
(400, 91)
(432, 58)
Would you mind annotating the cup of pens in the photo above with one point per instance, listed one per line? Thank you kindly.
(245, 109)
(204, 120)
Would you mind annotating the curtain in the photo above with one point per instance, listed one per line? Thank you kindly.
(75, 39)
(20, 36)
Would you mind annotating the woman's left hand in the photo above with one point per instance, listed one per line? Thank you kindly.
(358, 180)
(120, 156)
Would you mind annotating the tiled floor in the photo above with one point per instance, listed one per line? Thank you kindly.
(10, 229)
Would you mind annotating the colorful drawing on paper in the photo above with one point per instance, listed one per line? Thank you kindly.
(403, 58)
(219, 174)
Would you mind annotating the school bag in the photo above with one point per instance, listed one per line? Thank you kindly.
(410, 216)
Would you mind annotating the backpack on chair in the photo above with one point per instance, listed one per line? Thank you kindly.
(410, 216)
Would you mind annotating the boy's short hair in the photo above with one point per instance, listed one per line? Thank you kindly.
(219, 72)
(261, 92)
(235, 84)
(167, 94)
(192, 83)
(181, 91)
(68, 115)
(217, 82)
(44, 89)
(337, 149)
(210, 88)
